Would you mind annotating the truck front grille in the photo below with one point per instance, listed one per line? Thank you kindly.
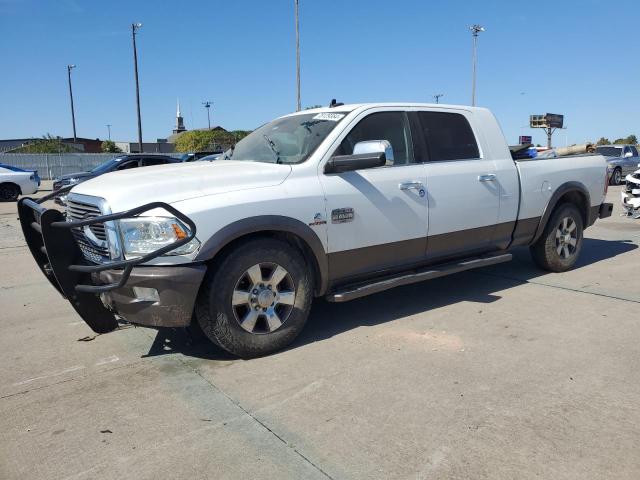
(96, 252)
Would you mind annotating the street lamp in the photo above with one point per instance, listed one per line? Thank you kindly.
(299, 107)
(437, 97)
(134, 28)
(109, 129)
(475, 30)
(73, 113)
(207, 105)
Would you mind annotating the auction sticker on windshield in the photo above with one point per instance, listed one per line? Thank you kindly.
(333, 117)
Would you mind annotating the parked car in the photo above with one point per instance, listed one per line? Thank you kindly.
(195, 156)
(621, 160)
(211, 158)
(336, 202)
(15, 181)
(122, 162)
(631, 195)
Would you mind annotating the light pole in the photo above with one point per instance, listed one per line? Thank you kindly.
(437, 97)
(134, 28)
(207, 105)
(299, 107)
(73, 113)
(109, 129)
(475, 30)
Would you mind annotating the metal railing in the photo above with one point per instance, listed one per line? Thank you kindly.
(52, 165)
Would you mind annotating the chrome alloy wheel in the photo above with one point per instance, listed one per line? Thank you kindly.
(566, 238)
(263, 298)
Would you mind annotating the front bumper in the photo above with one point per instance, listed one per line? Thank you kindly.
(175, 289)
(49, 238)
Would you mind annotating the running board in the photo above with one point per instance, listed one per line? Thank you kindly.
(360, 290)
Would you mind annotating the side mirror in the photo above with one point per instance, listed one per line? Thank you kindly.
(628, 155)
(368, 154)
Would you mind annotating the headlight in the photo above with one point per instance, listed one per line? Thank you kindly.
(144, 235)
(68, 181)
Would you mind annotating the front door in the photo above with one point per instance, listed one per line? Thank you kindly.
(377, 217)
(462, 187)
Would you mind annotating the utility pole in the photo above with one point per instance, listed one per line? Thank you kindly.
(207, 105)
(475, 30)
(134, 28)
(299, 107)
(109, 129)
(73, 113)
(437, 97)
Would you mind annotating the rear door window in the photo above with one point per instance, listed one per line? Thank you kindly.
(448, 136)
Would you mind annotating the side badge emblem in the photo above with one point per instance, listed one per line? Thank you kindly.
(318, 220)
(342, 215)
(422, 193)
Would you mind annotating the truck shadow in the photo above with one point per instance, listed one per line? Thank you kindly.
(329, 319)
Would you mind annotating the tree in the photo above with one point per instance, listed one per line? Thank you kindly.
(202, 140)
(632, 139)
(603, 141)
(109, 146)
(619, 141)
(240, 134)
(46, 144)
(313, 106)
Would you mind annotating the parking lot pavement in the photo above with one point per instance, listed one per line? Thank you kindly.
(501, 373)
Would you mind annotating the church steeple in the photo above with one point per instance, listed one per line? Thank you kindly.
(179, 121)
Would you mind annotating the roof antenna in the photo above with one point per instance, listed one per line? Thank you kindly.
(334, 104)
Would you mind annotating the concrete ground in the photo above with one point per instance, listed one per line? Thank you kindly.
(502, 373)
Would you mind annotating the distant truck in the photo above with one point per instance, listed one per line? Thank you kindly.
(621, 161)
(338, 202)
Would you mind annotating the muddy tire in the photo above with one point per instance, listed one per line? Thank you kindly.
(558, 248)
(256, 300)
(9, 192)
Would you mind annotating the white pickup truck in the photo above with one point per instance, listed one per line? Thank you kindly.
(337, 202)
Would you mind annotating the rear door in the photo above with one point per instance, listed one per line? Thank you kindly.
(377, 217)
(462, 186)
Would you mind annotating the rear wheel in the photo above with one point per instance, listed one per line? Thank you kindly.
(558, 248)
(257, 300)
(616, 177)
(9, 192)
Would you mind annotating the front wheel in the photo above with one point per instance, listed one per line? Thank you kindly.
(616, 177)
(558, 248)
(258, 298)
(9, 192)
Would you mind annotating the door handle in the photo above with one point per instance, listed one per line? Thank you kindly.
(489, 177)
(415, 185)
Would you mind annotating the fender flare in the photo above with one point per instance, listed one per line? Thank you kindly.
(264, 223)
(553, 202)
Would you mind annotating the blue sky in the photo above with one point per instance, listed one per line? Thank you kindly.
(574, 57)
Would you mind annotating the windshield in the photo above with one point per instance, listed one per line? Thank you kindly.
(108, 165)
(609, 151)
(285, 140)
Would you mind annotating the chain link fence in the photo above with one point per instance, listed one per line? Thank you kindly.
(52, 165)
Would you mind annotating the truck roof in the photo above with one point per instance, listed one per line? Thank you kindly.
(354, 106)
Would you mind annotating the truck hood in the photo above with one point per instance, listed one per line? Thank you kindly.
(181, 181)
